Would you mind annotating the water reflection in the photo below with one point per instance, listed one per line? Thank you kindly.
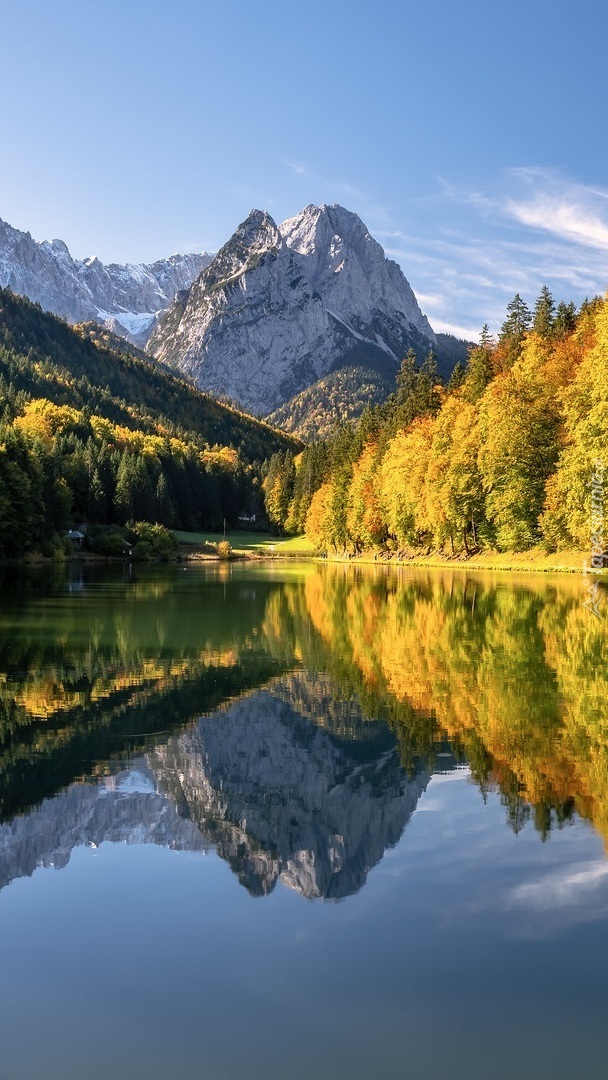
(277, 796)
(289, 721)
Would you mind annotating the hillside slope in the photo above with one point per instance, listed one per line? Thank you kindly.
(43, 357)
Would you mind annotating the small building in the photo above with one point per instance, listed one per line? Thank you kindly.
(76, 537)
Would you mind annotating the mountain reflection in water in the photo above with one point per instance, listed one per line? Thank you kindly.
(289, 723)
(277, 796)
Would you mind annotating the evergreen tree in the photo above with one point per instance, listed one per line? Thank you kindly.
(417, 394)
(565, 319)
(456, 378)
(514, 329)
(544, 314)
(124, 498)
(518, 319)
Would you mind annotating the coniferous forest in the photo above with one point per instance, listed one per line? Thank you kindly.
(505, 456)
(90, 435)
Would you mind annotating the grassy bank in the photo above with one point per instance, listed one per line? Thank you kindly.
(264, 545)
(245, 544)
(535, 560)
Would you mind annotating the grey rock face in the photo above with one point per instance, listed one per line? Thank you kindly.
(281, 306)
(127, 299)
(285, 801)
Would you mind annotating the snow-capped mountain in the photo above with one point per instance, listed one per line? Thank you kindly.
(127, 299)
(281, 306)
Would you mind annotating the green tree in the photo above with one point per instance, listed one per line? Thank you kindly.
(565, 319)
(519, 444)
(514, 329)
(480, 370)
(544, 314)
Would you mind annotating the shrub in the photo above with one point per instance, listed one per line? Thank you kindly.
(105, 540)
(152, 541)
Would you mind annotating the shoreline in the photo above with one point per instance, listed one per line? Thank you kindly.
(533, 561)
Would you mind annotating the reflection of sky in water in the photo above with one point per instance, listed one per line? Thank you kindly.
(510, 882)
(445, 955)
(456, 948)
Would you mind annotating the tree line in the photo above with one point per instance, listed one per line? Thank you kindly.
(502, 456)
(91, 435)
(60, 466)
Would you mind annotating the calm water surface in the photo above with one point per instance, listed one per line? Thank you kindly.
(301, 821)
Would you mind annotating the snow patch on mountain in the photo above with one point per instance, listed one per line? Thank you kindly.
(127, 299)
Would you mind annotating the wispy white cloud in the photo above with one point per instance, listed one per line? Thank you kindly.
(440, 326)
(565, 208)
(563, 219)
(297, 167)
(534, 227)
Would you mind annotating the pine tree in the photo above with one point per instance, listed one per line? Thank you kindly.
(480, 369)
(544, 314)
(514, 329)
(165, 513)
(518, 318)
(565, 319)
(456, 378)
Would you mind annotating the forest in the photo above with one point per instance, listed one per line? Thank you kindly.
(510, 454)
(91, 435)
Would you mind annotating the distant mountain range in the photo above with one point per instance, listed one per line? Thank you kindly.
(305, 322)
(126, 299)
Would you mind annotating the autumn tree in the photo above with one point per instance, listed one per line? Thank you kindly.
(519, 442)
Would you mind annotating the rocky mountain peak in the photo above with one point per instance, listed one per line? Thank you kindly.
(253, 238)
(258, 226)
(323, 227)
(281, 306)
(60, 246)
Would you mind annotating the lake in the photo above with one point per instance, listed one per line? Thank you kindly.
(299, 820)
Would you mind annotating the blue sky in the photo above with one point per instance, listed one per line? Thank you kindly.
(470, 138)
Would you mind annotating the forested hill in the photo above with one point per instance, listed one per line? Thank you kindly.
(42, 357)
(512, 453)
(105, 441)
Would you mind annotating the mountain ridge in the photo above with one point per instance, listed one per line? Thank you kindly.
(280, 306)
(42, 356)
(125, 298)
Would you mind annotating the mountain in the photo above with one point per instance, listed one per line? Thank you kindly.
(286, 799)
(126, 299)
(280, 307)
(343, 395)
